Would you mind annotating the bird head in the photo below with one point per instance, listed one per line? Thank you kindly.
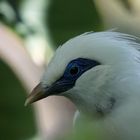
(85, 67)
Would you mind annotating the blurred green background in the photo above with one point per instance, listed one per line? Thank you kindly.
(16, 121)
(63, 19)
(72, 17)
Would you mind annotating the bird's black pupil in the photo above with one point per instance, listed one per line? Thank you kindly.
(74, 70)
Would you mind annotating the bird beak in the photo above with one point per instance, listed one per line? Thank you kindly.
(36, 94)
(40, 93)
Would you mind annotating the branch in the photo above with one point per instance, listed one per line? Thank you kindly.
(53, 115)
(115, 15)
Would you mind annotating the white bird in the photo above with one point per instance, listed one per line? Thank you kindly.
(100, 73)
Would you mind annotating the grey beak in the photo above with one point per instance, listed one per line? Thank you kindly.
(56, 88)
(36, 94)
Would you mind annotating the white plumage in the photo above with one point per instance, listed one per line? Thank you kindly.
(107, 93)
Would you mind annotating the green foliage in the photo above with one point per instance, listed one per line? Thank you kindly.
(84, 132)
(70, 18)
(16, 121)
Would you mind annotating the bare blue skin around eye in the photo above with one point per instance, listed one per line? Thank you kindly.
(82, 64)
(67, 80)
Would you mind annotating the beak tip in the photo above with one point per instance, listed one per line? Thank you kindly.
(27, 102)
(35, 95)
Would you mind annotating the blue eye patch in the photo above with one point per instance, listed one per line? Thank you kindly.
(77, 67)
(73, 71)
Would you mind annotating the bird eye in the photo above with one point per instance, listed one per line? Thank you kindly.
(74, 70)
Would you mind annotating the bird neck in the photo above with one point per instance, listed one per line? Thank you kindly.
(92, 109)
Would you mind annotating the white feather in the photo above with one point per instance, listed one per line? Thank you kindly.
(118, 78)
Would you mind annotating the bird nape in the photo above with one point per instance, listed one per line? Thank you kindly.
(100, 73)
